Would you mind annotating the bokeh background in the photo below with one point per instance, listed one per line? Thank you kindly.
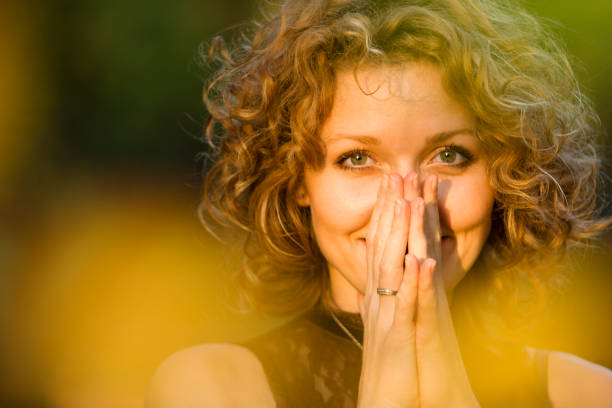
(104, 267)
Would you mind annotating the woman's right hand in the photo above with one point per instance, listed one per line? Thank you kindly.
(389, 368)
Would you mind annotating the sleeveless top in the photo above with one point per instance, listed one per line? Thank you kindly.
(311, 362)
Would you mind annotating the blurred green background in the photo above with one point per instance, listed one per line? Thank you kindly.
(104, 267)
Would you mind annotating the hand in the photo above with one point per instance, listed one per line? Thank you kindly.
(411, 357)
(389, 367)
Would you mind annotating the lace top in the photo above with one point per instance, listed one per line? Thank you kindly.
(311, 362)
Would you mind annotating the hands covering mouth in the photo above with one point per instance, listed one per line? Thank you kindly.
(408, 332)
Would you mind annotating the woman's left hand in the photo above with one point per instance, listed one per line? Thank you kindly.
(443, 381)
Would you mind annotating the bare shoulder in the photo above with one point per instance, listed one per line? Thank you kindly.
(575, 382)
(210, 375)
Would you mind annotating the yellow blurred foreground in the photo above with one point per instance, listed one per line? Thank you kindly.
(106, 284)
(107, 278)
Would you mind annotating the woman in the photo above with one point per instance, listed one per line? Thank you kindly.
(388, 162)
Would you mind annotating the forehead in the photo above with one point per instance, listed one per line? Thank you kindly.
(410, 82)
(383, 102)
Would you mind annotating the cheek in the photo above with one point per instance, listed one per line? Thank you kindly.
(466, 204)
(465, 209)
(339, 204)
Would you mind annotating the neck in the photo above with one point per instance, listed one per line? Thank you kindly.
(343, 293)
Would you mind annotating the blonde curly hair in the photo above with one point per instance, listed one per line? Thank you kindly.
(273, 89)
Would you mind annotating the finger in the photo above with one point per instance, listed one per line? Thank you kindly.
(393, 192)
(428, 328)
(384, 227)
(411, 186)
(378, 239)
(405, 306)
(430, 189)
(417, 242)
(427, 316)
(392, 262)
(432, 217)
(372, 228)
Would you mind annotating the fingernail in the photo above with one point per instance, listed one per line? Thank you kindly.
(396, 178)
(398, 206)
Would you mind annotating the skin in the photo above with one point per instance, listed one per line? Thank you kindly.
(408, 107)
(402, 202)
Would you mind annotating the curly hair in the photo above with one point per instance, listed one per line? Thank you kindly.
(273, 89)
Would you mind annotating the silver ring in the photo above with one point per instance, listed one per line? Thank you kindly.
(386, 292)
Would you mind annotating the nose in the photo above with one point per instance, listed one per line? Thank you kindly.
(407, 170)
(405, 167)
(413, 177)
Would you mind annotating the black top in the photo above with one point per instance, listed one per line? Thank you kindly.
(311, 362)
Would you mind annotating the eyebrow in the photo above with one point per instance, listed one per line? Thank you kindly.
(434, 139)
(441, 137)
(362, 139)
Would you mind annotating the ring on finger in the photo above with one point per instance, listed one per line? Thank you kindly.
(386, 292)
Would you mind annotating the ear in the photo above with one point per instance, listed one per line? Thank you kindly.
(302, 197)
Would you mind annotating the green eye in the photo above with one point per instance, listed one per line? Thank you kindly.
(454, 155)
(448, 156)
(358, 159)
(355, 160)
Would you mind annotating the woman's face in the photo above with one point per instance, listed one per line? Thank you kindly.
(396, 120)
